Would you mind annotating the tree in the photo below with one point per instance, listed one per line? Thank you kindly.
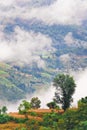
(4, 109)
(35, 103)
(24, 107)
(52, 105)
(65, 87)
(82, 109)
(82, 102)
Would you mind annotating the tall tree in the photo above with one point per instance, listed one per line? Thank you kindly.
(65, 87)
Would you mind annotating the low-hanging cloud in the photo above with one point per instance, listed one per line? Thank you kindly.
(24, 47)
(60, 12)
(71, 41)
(48, 94)
(81, 85)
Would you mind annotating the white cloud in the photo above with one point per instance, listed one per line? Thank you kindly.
(24, 47)
(6, 3)
(69, 39)
(81, 83)
(60, 12)
(65, 58)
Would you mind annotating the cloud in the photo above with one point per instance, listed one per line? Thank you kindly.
(24, 47)
(75, 42)
(69, 39)
(81, 83)
(5, 3)
(65, 58)
(59, 12)
(62, 12)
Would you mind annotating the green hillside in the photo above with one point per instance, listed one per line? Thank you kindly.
(10, 82)
(15, 84)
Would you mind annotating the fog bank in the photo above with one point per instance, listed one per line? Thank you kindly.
(46, 95)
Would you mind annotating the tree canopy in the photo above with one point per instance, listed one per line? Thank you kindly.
(65, 87)
(35, 102)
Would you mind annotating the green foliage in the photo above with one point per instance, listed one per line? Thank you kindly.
(44, 128)
(19, 120)
(65, 87)
(24, 107)
(4, 109)
(82, 125)
(32, 125)
(4, 118)
(51, 120)
(35, 103)
(33, 113)
(82, 102)
(70, 119)
(52, 105)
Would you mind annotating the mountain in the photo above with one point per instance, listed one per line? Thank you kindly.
(16, 81)
(39, 39)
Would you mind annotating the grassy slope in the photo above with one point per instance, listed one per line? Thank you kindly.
(10, 83)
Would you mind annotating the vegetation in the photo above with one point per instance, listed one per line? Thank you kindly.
(71, 119)
(29, 118)
(52, 105)
(3, 110)
(24, 107)
(65, 87)
(35, 103)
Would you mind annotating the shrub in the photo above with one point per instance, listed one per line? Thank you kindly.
(33, 113)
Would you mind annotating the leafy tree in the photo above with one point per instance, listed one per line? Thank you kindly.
(4, 109)
(52, 105)
(35, 103)
(65, 87)
(82, 109)
(82, 102)
(24, 107)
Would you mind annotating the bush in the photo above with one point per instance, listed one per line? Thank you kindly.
(19, 120)
(44, 128)
(33, 113)
(50, 120)
(32, 125)
(4, 118)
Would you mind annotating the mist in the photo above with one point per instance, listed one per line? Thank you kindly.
(47, 95)
(23, 47)
(81, 89)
